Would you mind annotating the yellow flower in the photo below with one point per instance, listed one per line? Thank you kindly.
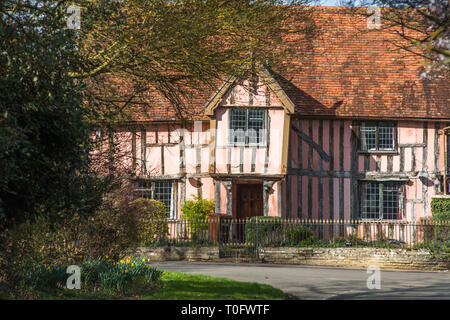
(143, 260)
(121, 261)
(48, 268)
(126, 271)
(106, 257)
(128, 261)
(132, 264)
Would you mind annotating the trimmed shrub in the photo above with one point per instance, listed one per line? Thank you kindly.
(196, 213)
(297, 234)
(268, 231)
(440, 209)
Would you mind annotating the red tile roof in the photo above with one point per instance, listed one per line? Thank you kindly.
(341, 71)
(347, 71)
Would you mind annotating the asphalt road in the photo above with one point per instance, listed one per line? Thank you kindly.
(320, 283)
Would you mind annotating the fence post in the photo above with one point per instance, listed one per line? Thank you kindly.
(219, 224)
(256, 239)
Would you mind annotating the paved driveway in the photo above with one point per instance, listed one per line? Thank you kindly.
(325, 283)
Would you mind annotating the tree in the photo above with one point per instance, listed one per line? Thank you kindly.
(57, 84)
(421, 27)
(139, 50)
(44, 138)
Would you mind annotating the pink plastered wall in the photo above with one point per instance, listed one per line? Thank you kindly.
(415, 157)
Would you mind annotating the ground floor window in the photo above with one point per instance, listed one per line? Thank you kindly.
(381, 200)
(158, 190)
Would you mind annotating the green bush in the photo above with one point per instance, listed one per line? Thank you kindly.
(96, 275)
(151, 218)
(128, 273)
(297, 234)
(197, 209)
(196, 213)
(269, 231)
(46, 277)
(440, 209)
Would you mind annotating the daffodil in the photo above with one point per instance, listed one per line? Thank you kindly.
(128, 260)
(132, 264)
(143, 260)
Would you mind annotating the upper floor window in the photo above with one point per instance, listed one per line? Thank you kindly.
(247, 126)
(378, 136)
(381, 200)
(158, 190)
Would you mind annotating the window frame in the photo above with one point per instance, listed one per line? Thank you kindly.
(171, 212)
(247, 143)
(381, 185)
(378, 125)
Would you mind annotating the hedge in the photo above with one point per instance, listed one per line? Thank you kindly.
(440, 209)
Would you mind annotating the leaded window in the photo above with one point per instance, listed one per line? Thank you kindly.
(378, 136)
(381, 200)
(247, 126)
(157, 190)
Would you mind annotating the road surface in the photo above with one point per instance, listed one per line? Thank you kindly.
(307, 282)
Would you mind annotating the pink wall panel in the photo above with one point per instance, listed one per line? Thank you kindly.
(273, 203)
(150, 134)
(326, 142)
(190, 158)
(154, 161)
(294, 199)
(208, 188)
(171, 160)
(205, 159)
(293, 141)
(315, 131)
(430, 150)
(174, 133)
(326, 197)
(383, 166)
(336, 198)
(241, 94)
(336, 145)
(163, 134)
(305, 203)
(347, 147)
(347, 197)
(223, 199)
(372, 163)
(315, 198)
(396, 163)
(361, 163)
(304, 128)
(191, 190)
(274, 100)
(408, 156)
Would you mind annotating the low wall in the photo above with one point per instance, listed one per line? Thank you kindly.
(357, 258)
(332, 257)
(177, 253)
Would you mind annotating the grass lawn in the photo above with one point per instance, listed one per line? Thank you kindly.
(178, 286)
(183, 286)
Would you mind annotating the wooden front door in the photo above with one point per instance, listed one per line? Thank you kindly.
(249, 200)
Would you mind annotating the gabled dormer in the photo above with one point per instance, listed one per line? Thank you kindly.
(250, 123)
